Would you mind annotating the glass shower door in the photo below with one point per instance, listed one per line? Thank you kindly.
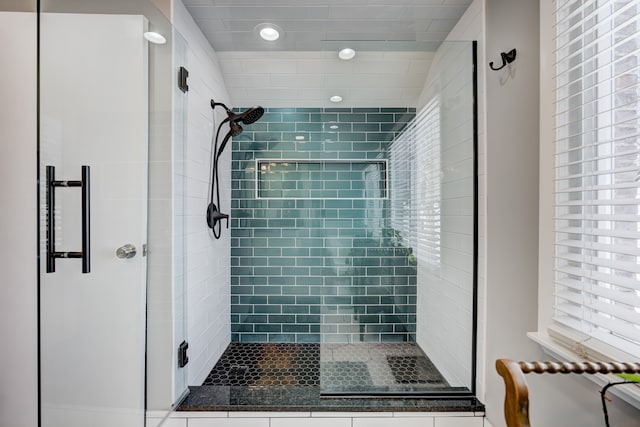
(399, 317)
(93, 191)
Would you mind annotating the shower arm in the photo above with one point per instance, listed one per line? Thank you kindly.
(220, 104)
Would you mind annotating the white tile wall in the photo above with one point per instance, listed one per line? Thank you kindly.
(459, 422)
(317, 419)
(207, 264)
(470, 27)
(229, 422)
(383, 422)
(310, 422)
(180, 104)
(445, 286)
(157, 422)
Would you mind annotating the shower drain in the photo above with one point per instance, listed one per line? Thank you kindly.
(238, 372)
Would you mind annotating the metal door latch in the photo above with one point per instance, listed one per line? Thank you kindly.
(127, 251)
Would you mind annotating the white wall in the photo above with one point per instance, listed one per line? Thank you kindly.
(513, 198)
(511, 191)
(18, 216)
(208, 262)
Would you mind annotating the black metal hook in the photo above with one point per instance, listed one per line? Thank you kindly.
(507, 58)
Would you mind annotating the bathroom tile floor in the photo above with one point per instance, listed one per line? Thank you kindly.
(363, 377)
(257, 364)
(377, 367)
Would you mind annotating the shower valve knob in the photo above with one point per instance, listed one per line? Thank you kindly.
(221, 216)
(127, 251)
(214, 216)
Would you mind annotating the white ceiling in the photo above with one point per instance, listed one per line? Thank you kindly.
(394, 40)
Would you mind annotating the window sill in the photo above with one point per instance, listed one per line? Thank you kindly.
(630, 393)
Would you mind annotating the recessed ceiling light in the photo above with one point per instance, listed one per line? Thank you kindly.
(347, 53)
(335, 98)
(269, 32)
(299, 138)
(333, 127)
(155, 38)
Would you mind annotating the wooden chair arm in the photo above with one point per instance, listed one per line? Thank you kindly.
(516, 402)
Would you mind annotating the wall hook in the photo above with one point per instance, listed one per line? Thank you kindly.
(507, 58)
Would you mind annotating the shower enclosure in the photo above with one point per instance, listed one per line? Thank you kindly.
(355, 228)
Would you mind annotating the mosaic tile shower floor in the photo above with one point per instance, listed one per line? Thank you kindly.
(287, 376)
(335, 367)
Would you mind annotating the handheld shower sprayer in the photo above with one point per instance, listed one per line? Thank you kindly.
(252, 115)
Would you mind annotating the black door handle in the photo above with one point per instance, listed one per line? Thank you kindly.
(52, 254)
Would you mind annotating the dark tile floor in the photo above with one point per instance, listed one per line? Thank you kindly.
(344, 377)
(378, 368)
(257, 364)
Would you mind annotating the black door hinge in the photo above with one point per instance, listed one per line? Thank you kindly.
(182, 79)
(182, 354)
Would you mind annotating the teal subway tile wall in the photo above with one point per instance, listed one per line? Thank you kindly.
(314, 257)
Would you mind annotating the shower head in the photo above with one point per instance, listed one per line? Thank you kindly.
(247, 117)
(252, 115)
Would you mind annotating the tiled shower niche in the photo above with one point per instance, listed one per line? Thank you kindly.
(314, 258)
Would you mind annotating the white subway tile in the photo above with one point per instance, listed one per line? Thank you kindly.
(173, 422)
(153, 422)
(452, 414)
(351, 414)
(229, 422)
(459, 422)
(198, 414)
(245, 414)
(414, 414)
(310, 422)
(393, 422)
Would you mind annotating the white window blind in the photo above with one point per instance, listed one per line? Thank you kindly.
(415, 170)
(428, 189)
(597, 171)
(401, 159)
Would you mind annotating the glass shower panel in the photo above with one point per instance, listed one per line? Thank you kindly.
(397, 312)
(99, 107)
